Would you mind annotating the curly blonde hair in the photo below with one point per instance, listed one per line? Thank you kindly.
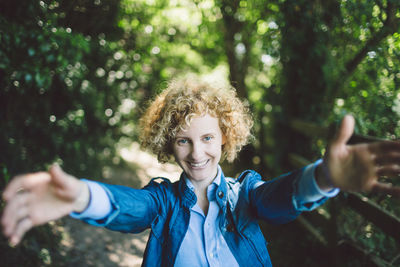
(174, 108)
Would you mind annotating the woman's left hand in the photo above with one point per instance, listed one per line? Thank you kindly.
(359, 167)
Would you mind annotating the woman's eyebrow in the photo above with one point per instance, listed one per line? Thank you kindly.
(202, 135)
(181, 136)
(209, 133)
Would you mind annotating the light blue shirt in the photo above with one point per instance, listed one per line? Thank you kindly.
(203, 244)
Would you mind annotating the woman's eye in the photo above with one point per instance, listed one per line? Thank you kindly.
(182, 141)
(207, 138)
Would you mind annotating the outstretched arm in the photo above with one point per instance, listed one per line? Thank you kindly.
(359, 167)
(37, 198)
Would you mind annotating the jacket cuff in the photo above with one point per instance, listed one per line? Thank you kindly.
(308, 195)
(99, 204)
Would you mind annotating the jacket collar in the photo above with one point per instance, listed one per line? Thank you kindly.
(222, 192)
(189, 197)
(185, 193)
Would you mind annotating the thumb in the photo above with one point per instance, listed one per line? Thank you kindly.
(65, 185)
(57, 175)
(345, 131)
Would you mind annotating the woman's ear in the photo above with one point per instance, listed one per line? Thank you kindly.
(223, 139)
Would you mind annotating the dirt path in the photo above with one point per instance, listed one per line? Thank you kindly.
(85, 245)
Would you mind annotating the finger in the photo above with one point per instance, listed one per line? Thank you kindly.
(386, 188)
(66, 186)
(388, 158)
(19, 215)
(59, 177)
(22, 227)
(13, 187)
(56, 172)
(13, 212)
(25, 182)
(345, 131)
(385, 147)
(388, 170)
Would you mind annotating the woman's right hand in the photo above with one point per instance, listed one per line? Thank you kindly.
(37, 198)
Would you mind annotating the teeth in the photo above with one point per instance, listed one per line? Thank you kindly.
(200, 164)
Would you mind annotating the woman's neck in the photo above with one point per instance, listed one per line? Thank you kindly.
(200, 189)
(202, 185)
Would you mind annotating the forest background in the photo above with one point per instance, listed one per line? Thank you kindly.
(76, 75)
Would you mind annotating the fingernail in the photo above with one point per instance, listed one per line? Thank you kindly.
(54, 167)
(13, 242)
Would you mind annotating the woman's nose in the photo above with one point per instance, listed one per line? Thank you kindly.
(197, 151)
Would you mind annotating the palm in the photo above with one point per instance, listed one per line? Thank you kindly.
(358, 167)
(37, 198)
(351, 167)
(49, 201)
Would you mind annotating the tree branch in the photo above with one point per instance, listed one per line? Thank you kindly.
(231, 27)
(390, 26)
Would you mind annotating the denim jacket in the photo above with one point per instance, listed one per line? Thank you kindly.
(164, 207)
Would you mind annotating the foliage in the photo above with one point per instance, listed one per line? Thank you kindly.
(75, 75)
(52, 102)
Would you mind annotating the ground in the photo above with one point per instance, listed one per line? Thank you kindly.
(85, 245)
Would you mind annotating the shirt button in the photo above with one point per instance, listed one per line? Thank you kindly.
(220, 194)
(212, 255)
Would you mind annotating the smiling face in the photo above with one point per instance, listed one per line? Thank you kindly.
(197, 149)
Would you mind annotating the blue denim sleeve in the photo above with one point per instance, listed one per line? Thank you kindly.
(282, 199)
(132, 210)
(272, 200)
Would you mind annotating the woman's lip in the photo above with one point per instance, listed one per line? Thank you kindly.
(198, 164)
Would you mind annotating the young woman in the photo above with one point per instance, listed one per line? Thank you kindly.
(204, 219)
